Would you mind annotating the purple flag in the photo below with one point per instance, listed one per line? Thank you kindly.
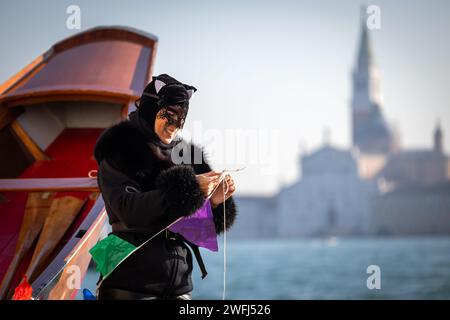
(199, 228)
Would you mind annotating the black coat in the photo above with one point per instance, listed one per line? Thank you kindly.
(143, 190)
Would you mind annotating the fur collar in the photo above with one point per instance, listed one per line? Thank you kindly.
(125, 148)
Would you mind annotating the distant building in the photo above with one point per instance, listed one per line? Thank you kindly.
(424, 167)
(418, 198)
(330, 198)
(257, 217)
(374, 188)
(412, 210)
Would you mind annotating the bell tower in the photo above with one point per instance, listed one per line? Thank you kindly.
(370, 133)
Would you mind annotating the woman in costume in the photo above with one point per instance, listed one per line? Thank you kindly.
(145, 191)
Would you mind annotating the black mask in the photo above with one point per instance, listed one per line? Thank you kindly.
(175, 116)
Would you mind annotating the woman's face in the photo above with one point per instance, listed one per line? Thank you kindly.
(166, 130)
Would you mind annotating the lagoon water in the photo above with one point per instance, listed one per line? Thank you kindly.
(411, 268)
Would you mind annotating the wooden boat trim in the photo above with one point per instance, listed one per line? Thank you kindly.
(37, 208)
(23, 74)
(104, 33)
(62, 213)
(32, 97)
(9, 115)
(49, 184)
(97, 216)
(37, 153)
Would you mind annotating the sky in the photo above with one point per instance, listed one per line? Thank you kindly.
(278, 70)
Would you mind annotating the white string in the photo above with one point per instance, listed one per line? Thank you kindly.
(224, 240)
(223, 179)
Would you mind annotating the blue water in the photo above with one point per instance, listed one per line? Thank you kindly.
(411, 268)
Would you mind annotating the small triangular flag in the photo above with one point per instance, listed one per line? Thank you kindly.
(109, 252)
(23, 291)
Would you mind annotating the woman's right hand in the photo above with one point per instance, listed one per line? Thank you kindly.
(208, 181)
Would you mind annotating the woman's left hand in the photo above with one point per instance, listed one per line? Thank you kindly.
(217, 197)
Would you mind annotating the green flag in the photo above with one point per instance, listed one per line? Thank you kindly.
(109, 252)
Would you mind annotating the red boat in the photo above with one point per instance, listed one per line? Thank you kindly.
(51, 114)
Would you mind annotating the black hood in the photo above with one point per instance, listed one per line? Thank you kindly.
(161, 92)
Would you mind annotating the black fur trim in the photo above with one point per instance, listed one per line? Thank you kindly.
(181, 189)
(126, 149)
(123, 146)
(230, 214)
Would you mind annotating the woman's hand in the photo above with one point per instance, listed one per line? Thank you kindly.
(208, 181)
(218, 197)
